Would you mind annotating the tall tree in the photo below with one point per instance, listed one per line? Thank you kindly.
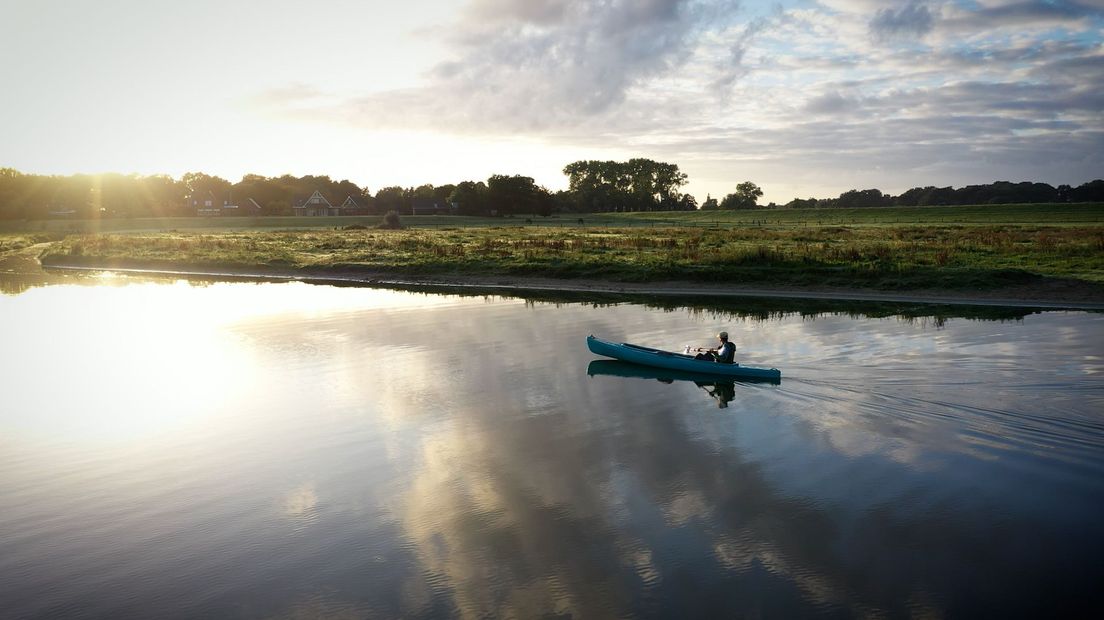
(508, 195)
(636, 185)
(863, 198)
(393, 198)
(746, 196)
(424, 191)
(1093, 191)
(441, 193)
(471, 196)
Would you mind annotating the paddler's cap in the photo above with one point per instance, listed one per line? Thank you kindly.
(723, 335)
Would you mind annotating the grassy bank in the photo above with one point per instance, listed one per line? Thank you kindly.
(884, 257)
(12, 243)
(983, 215)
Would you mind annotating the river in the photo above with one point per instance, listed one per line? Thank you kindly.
(174, 449)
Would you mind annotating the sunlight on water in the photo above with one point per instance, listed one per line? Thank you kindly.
(137, 361)
(179, 450)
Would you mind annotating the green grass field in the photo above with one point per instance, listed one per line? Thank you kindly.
(883, 257)
(888, 249)
(1052, 214)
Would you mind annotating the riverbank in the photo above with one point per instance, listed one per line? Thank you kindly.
(1055, 295)
(1008, 262)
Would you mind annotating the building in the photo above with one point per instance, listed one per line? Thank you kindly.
(431, 206)
(352, 207)
(204, 203)
(248, 208)
(316, 205)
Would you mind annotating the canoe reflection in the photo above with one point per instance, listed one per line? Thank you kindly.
(722, 390)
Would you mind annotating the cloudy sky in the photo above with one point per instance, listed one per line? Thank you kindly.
(804, 97)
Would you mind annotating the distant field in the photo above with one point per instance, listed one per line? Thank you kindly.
(1052, 214)
(892, 248)
(1049, 214)
(887, 257)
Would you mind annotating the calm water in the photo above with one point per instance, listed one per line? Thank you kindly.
(285, 450)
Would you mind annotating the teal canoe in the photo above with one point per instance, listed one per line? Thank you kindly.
(676, 361)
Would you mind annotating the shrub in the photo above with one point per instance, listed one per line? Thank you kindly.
(391, 221)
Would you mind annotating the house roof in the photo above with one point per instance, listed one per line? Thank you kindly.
(316, 200)
(349, 202)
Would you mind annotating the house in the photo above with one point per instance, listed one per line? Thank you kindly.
(352, 207)
(246, 209)
(431, 206)
(316, 205)
(204, 203)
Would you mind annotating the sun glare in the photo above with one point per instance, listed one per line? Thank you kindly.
(122, 361)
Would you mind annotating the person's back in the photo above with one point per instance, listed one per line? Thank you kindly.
(727, 353)
(724, 354)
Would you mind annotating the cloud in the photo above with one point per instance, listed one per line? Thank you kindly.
(914, 19)
(533, 11)
(832, 103)
(1031, 13)
(839, 88)
(523, 65)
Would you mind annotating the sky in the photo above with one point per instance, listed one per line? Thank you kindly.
(806, 98)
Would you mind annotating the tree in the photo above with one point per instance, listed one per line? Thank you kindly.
(274, 198)
(424, 191)
(563, 201)
(937, 196)
(198, 182)
(393, 198)
(507, 195)
(746, 196)
(863, 198)
(441, 193)
(343, 189)
(710, 204)
(679, 202)
(798, 203)
(635, 185)
(1093, 191)
(471, 198)
(544, 202)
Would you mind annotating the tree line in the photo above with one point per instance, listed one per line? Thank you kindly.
(999, 192)
(636, 185)
(593, 186)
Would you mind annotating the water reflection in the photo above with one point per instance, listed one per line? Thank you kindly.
(19, 273)
(319, 450)
(723, 391)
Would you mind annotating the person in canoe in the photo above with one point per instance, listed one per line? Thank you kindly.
(724, 354)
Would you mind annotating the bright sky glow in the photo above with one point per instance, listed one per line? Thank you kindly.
(806, 98)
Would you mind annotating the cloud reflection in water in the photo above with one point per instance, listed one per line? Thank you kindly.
(395, 454)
